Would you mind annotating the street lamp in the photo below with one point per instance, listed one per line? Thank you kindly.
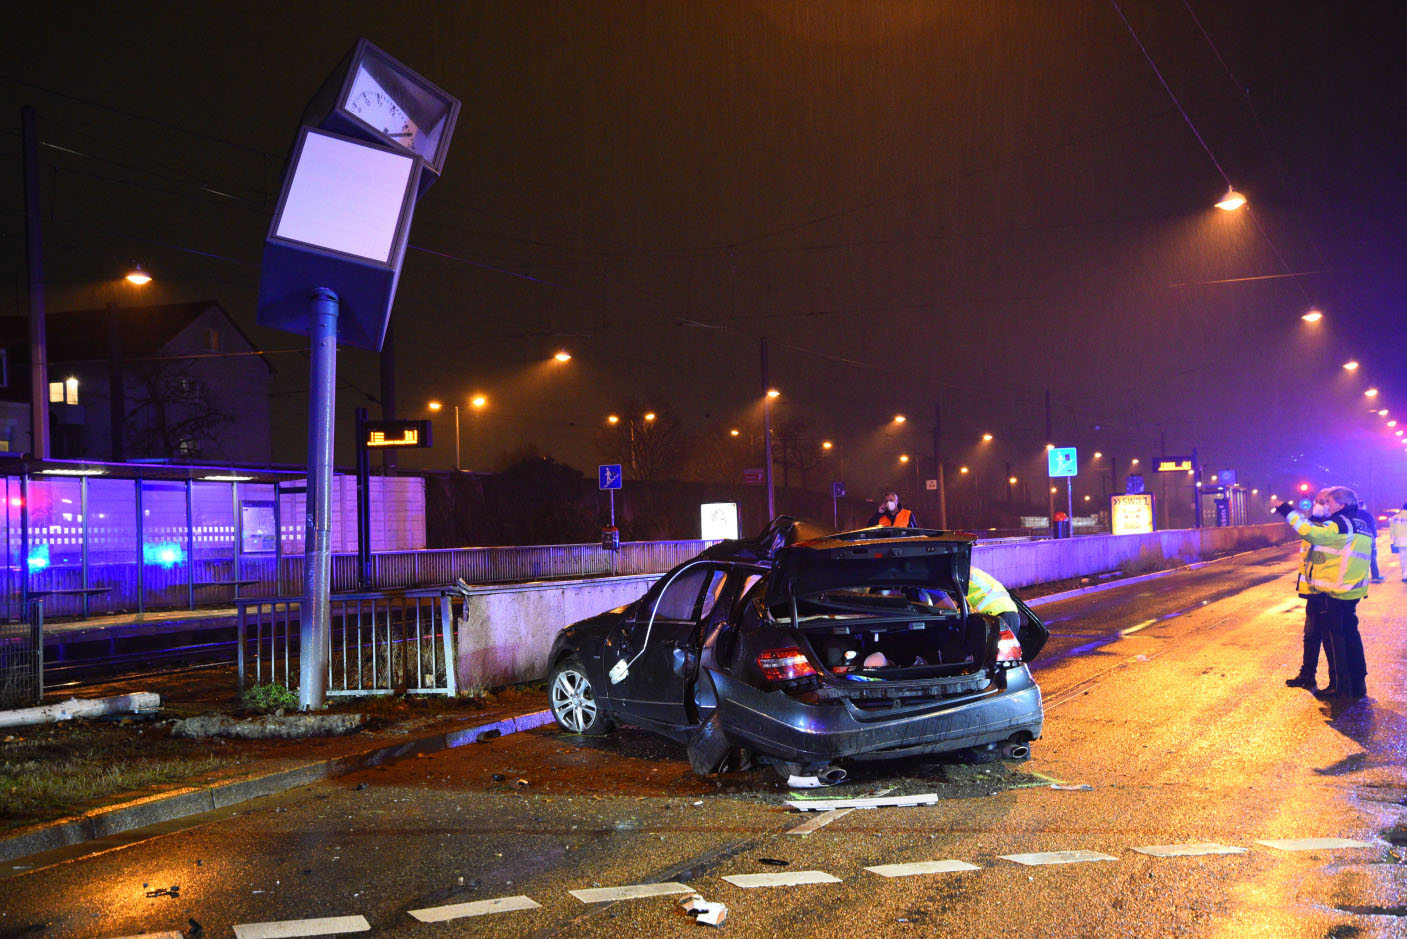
(1232, 201)
(1313, 316)
(117, 384)
(436, 406)
(1351, 365)
(986, 438)
(562, 356)
(1371, 393)
(137, 276)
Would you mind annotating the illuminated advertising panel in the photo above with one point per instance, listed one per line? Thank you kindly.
(1131, 514)
(718, 520)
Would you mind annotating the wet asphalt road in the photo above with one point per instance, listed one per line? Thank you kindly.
(1165, 697)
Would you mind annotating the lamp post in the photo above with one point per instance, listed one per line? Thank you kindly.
(117, 414)
(437, 406)
(768, 393)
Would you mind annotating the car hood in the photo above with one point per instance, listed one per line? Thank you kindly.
(879, 557)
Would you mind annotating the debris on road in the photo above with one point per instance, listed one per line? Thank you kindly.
(826, 805)
(141, 702)
(273, 726)
(775, 862)
(173, 891)
(704, 912)
(521, 784)
(1082, 787)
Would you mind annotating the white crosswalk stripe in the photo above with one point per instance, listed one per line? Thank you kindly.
(784, 879)
(630, 892)
(922, 867)
(440, 914)
(293, 928)
(1188, 850)
(1057, 857)
(1313, 844)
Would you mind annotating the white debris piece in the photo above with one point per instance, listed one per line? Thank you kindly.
(702, 911)
(826, 805)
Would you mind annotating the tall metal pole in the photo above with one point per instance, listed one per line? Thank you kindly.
(1196, 491)
(315, 623)
(457, 464)
(34, 245)
(388, 393)
(767, 435)
(117, 405)
(938, 464)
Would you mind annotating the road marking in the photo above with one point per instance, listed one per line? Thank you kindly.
(629, 892)
(826, 805)
(785, 879)
(1312, 844)
(156, 935)
(819, 822)
(922, 867)
(1188, 850)
(1056, 857)
(1133, 629)
(440, 914)
(290, 928)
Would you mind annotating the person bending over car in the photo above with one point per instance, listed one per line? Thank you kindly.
(891, 514)
(985, 594)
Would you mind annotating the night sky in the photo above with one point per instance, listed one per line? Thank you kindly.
(966, 205)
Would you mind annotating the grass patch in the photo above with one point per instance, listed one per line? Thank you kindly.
(68, 770)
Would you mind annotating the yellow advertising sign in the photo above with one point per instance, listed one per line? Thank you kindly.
(1175, 465)
(1131, 514)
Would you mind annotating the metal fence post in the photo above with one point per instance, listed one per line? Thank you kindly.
(447, 617)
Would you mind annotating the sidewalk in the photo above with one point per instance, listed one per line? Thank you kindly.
(67, 783)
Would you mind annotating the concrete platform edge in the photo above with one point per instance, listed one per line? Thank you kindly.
(153, 810)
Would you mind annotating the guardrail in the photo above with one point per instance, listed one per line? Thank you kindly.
(22, 659)
(381, 642)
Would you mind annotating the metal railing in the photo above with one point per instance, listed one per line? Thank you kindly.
(22, 659)
(381, 642)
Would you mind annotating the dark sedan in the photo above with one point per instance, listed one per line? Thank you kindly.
(846, 647)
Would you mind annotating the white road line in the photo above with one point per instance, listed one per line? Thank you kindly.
(1188, 850)
(440, 914)
(826, 805)
(1057, 857)
(922, 867)
(1312, 844)
(819, 822)
(291, 928)
(156, 935)
(1133, 629)
(784, 879)
(630, 892)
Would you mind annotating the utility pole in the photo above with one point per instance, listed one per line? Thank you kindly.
(767, 435)
(1050, 490)
(388, 394)
(34, 253)
(117, 403)
(938, 464)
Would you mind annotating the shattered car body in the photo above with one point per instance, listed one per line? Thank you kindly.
(854, 646)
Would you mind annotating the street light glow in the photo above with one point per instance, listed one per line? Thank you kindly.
(478, 401)
(649, 415)
(434, 405)
(734, 432)
(1351, 365)
(903, 458)
(1392, 423)
(962, 469)
(138, 276)
(1050, 446)
(615, 419)
(1097, 454)
(1371, 393)
(986, 437)
(899, 418)
(1232, 201)
(1382, 413)
(826, 444)
(1134, 461)
(1313, 316)
(1011, 480)
(773, 393)
(563, 356)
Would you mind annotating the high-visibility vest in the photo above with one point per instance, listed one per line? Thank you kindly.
(1398, 528)
(902, 518)
(985, 594)
(1331, 561)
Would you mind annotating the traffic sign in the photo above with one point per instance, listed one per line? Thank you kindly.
(1062, 461)
(754, 477)
(837, 490)
(608, 476)
(931, 485)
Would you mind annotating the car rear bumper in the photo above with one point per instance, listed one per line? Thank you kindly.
(778, 725)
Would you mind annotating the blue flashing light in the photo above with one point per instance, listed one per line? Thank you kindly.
(38, 557)
(165, 554)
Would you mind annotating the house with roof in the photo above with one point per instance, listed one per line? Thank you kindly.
(176, 382)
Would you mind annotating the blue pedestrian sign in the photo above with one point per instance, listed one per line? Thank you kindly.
(608, 474)
(837, 490)
(1062, 461)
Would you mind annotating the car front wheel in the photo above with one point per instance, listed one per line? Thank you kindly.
(574, 704)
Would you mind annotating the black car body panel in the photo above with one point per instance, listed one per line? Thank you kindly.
(881, 656)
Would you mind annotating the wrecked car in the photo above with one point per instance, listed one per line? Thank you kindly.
(808, 655)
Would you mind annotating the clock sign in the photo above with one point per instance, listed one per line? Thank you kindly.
(373, 96)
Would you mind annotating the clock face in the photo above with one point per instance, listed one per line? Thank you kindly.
(374, 105)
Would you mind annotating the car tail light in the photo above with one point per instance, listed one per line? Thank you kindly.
(784, 664)
(1008, 650)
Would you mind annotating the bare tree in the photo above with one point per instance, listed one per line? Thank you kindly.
(172, 412)
(796, 448)
(646, 447)
(716, 456)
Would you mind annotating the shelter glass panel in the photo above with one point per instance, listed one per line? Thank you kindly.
(112, 544)
(55, 557)
(165, 564)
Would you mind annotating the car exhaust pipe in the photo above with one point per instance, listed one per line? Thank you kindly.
(1015, 750)
(833, 775)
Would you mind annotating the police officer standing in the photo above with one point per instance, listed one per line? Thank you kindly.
(1397, 529)
(1334, 554)
(891, 513)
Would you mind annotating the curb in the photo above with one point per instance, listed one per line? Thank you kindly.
(153, 810)
(1110, 585)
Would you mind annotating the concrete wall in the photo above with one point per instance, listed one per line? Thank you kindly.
(506, 632)
(1022, 563)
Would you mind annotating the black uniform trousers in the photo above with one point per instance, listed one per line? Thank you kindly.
(1333, 623)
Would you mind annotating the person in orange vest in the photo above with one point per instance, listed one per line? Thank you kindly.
(891, 513)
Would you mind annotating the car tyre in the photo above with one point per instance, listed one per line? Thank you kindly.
(575, 706)
(709, 747)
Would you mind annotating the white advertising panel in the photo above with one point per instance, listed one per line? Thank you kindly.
(1131, 514)
(718, 520)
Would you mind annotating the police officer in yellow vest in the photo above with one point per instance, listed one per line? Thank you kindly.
(892, 513)
(985, 594)
(1397, 529)
(1334, 553)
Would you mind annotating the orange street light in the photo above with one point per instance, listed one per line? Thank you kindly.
(435, 405)
(734, 432)
(963, 470)
(1351, 365)
(478, 401)
(986, 437)
(1232, 201)
(138, 276)
(826, 445)
(899, 418)
(903, 458)
(615, 419)
(1371, 393)
(1011, 480)
(563, 356)
(649, 415)
(1098, 455)
(1313, 316)
(1134, 461)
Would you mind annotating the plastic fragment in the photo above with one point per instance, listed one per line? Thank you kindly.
(173, 891)
(704, 912)
(775, 862)
(1082, 787)
(521, 784)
